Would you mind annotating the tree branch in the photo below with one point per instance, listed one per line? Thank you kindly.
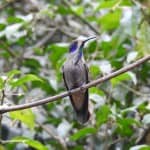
(4, 109)
(46, 38)
(67, 4)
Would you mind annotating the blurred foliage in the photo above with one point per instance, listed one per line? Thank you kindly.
(34, 40)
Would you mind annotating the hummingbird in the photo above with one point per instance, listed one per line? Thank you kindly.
(75, 74)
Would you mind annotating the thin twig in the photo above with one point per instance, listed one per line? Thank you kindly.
(4, 109)
(69, 34)
(3, 96)
(7, 48)
(46, 38)
(116, 141)
(59, 139)
(142, 8)
(134, 91)
(67, 4)
(8, 141)
(142, 135)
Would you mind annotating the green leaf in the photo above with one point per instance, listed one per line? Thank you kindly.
(97, 95)
(102, 115)
(78, 9)
(45, 86)
(143, 107)
(38, 51)
(2, 26)
(25, 79)
(120, 78)
(113, 3)
(143, 39)
(91, 47)
(144, 72)
(21, 41)
(9, 76)
(57, 51)
(82, 133)
(12, 19)
(94, 70)
(146, 147)
(95, 90)
(63, 10)
(1, 84)
(12, 73)
(125, 126)
(33, 64)
(32, 143)
(140, 147)
(26, 116)
(126, 3)
(108, 4)
(110, 20)
(78, 147)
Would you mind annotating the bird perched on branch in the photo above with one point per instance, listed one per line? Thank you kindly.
(75, 74)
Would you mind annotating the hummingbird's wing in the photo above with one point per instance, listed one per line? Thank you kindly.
(65, 82)
(87, 73)
(64, 78)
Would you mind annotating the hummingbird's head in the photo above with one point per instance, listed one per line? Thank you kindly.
(78, 44)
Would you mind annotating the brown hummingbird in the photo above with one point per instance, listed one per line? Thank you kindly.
(75, 74)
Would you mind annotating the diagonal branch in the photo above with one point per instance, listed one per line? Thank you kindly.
(4, 109)
(67, 4)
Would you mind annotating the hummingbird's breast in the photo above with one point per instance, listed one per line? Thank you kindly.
(75, 74)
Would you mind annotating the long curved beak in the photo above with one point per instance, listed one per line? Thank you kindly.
(90, 38)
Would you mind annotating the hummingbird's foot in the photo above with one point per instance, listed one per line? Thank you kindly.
(69, 92)
(82, 89)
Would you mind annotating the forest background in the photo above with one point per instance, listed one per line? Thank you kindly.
(34, 39)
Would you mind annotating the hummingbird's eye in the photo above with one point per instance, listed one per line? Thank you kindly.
(73, 46)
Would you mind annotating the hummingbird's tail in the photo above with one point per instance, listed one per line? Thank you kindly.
(80, 104)
(83, 116)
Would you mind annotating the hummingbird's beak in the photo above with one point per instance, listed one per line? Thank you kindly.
(90, 38)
